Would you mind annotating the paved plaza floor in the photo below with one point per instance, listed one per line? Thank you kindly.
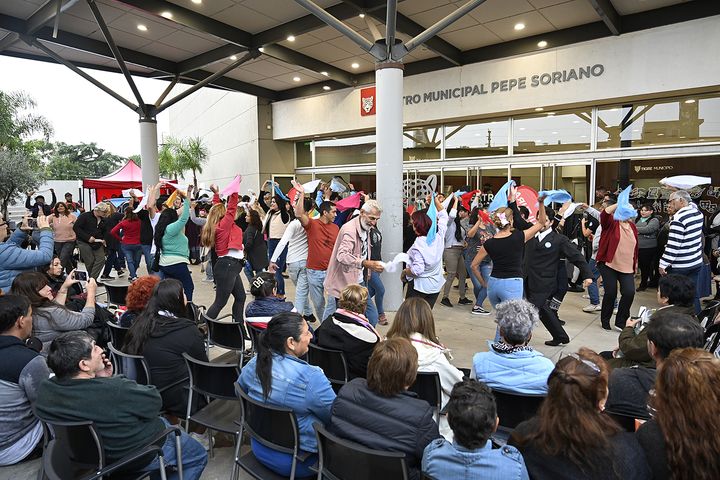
(464, 333)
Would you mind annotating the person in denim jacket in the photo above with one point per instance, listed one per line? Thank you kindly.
(277, 377)
(472, 415)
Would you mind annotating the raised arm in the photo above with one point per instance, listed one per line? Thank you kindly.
(299, 206)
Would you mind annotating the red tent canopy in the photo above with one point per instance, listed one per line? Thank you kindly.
(112, 185)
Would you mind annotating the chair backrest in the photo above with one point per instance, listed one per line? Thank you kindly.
(427, 386)
(74, 450)
(214, 380)
(345, 460)
(225, 334)
(274, 427)
(712, 339)
(254, 332)
(117, 334)
(116, 294)
(134, 367)
(513, 409)
(707, 314)
(332, 362)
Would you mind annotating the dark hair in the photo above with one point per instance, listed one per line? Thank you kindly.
(66, 352)
(524, 212)
(254, 219)
(263, 285)
(272, 341)
(421, 222)
(29, 284)
(55, 209)
(245, 198)
(168, 216)
(671, 330)
(392, 367)
(325, 207)
(458, 228)
(68, 193)
(472, 413)
(160, 202)
(473, 217)
(12, 307)
(308, 204)
(648, 206)
(678, 289)
(575, 388)
(130, 214)
(335, 196)
(39, 197)
(168, 296)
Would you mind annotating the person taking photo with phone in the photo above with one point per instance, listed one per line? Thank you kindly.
(14, 259)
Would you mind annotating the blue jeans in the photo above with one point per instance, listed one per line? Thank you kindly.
(298, 274)
(316, 291)
(272, 243)
(501, 289)
(194, 457)
(147, 253)
(694, 274)
(281, 463)
(376, 289)
(593, 290)
(133, 255)
(112, 261)
(180, 271)
(479, 291)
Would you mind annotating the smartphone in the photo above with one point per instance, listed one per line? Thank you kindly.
(32, 222)
(81, 275)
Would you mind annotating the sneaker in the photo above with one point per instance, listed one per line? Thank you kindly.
(478, 310)
(592, 308)
(208, 280)
(382, 319)
(105, 278)
(618, 328)
(465, 301)
(586, 296)
(202, 439)
(446, 301)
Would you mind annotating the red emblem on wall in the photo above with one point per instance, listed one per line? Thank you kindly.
(368, 100)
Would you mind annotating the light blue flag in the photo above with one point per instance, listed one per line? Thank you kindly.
(624, 211)
(432, 213)
(554, 196)
(280, 194)
(500, 198)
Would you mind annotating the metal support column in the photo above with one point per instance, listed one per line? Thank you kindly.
(149, 151)
(389, 162)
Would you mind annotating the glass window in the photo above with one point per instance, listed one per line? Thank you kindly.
(303, 154)
(686, 120)
(552, 132)
(421, 143)
(342, 151)
(529, 176)
(491, 179)
(454, 180)
(476, 139)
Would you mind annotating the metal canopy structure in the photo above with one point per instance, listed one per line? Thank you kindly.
(294, 52)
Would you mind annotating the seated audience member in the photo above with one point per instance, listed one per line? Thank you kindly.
(266, 303)
(349, 330)
(278, 377)
(15, 259)
(681, 440)
(138, 295)
(161, 334)
(50, 315)
(472, 415)
(570, 438)
(629, 387)
(511, 365)
(380, 413)
(21, 372)
(676, 294)
(55, 278)
(127, 415)
(414, 321)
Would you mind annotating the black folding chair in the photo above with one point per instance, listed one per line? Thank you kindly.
(117, 334)
(707, 314)
(427, 386)
(214, 381)
(116, 294)
(512, 409)
(134, 367)
(332, 362)
(228, 335)
(273, 427)
(74, 450)
(254, 332)
(345, 460)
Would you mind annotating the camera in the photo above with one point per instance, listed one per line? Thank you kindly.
(81, 275)
(32, 222)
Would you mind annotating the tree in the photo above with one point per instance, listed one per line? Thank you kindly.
(86, 160)
(167, 162)
(18, 173)
(17, 122)
(136, 158)
(191, 154)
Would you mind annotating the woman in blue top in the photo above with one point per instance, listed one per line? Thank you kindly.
(277, 377)
(172, 245)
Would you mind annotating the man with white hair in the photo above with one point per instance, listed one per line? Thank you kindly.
(350, 259)
(90, 231)
(683, 251)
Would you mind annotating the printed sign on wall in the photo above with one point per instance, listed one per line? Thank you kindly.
(368, 101)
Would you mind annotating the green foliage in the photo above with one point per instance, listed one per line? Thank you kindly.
(136, 158)
(178, 156)
(167, 162)
(19, 172)
(75, 162)
(18, 122)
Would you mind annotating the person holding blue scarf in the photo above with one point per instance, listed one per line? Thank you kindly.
(617, 258)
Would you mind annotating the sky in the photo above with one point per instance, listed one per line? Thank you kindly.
(78, 110)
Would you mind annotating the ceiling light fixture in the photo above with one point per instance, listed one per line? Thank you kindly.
(362, 15)
(660, 134)
(542, 44)
(261, 49)
(554, 133)
(291, 38)
(690, 100)
(326, 74)
(539, 109)
(296, 79)
(519, 26)
(326, 88)
(233, 57)
(551, 114)
(197, 2)
(142, 27)
(166, 14)
(355, 65)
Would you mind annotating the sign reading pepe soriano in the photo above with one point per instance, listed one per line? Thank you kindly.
(508, 85)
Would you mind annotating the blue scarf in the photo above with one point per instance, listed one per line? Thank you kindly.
(624, 211)
(432, 213)
(554, 196)
(280, 194)
(500, 198)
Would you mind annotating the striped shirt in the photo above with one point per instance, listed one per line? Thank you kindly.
(685, 241)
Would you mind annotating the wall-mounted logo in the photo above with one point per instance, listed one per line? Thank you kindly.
(368, 100)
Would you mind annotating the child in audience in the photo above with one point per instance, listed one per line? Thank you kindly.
(472, 415)
(266, 303)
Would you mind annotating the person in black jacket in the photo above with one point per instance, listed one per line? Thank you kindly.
(90, 231)
(349, 331)
(161, 334)
(40, 204)
(115, 258)
(380, 413)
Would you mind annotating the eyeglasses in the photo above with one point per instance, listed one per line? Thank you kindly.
(587, 362)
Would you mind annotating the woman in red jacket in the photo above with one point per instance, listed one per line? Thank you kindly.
(231, 260)
(130, 241)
